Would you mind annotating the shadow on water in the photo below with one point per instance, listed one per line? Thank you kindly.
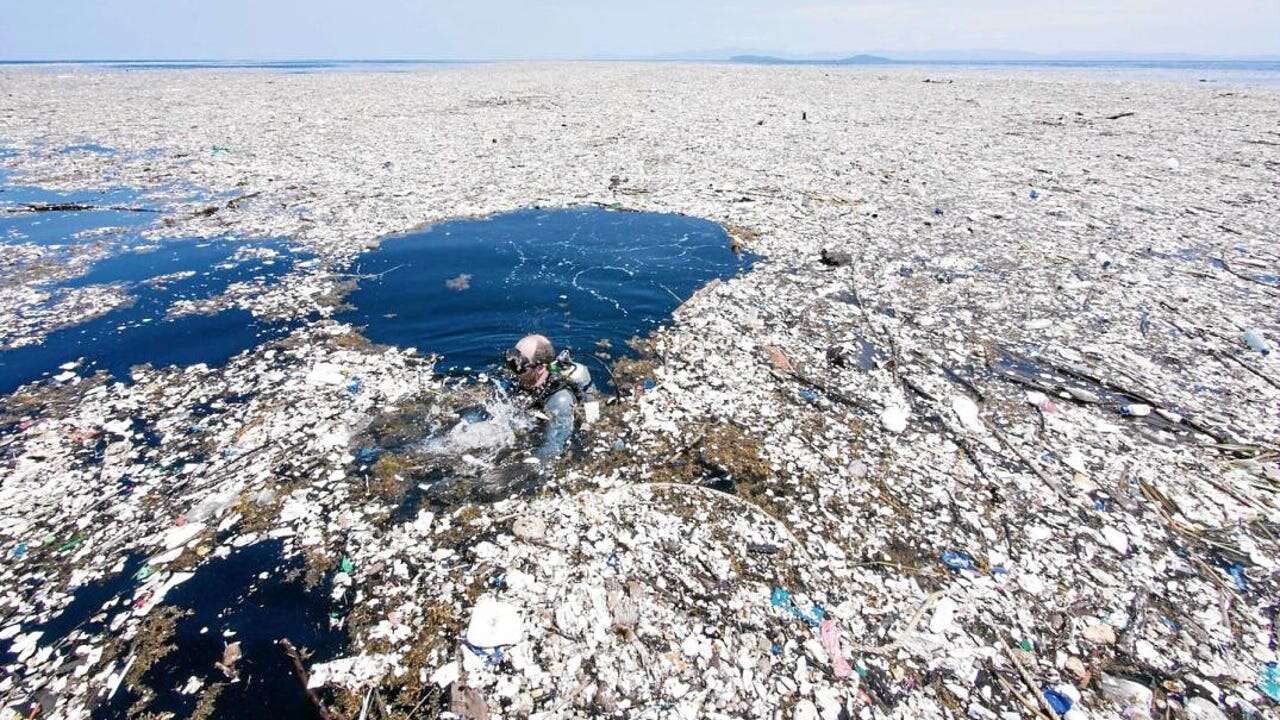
(468, 289)
(255, 598)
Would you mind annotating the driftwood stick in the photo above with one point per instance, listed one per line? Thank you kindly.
(1266, 378)
(300, 673)
(1026, 678)
(1271, 289)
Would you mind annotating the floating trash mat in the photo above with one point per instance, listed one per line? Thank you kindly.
(587, 278)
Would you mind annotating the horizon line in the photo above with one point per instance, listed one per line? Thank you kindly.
(824, 56)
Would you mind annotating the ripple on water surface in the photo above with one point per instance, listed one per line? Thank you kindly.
(467, 289)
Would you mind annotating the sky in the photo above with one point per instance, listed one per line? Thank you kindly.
(525, 29)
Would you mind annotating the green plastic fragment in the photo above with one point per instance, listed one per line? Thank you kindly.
(346, 565)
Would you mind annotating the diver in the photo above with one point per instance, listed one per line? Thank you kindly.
(554, 381)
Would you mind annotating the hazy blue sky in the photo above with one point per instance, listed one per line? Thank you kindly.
(579, 28)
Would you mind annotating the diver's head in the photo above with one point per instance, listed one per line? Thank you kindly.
(529, 359)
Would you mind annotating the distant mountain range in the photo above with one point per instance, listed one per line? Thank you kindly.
(765, 56)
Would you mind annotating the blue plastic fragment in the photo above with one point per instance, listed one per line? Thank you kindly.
(1060, 703)
(649, 384)
(1236, 571)
(957, 560)
(612, 561)
(492, 657)
(809, 395)
(20, 550)
(354, 386)
(367, 454)
(1035, 194)
(1269, 680)
(782, 599)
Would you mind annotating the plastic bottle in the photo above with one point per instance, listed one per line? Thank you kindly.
(559, 409)
(1256, 342)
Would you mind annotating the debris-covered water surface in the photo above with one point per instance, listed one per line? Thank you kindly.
(992, 432)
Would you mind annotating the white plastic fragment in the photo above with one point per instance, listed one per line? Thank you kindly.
(180, 535)
(894, 418)
(494, 623)
(943, 615)
(1198, 708)
(1134, 700)
(967, 410)
(352, 673)
(1116, 539)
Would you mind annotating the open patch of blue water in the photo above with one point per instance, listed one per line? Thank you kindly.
(19, 223)
(60, 228)
(253, 597)
(81, 617)
(140, 333)
(469, 289)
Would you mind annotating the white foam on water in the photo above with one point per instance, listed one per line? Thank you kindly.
(483, 439)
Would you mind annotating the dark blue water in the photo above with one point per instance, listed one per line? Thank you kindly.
(140, 333)
(61, 228)
(259, 597)
(468, 289)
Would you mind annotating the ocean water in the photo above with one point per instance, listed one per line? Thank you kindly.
(140, 332)
(254, 597)
(587, 278)
(155, 274)
(1233, 72)
(1262, 73)
(285, 66)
